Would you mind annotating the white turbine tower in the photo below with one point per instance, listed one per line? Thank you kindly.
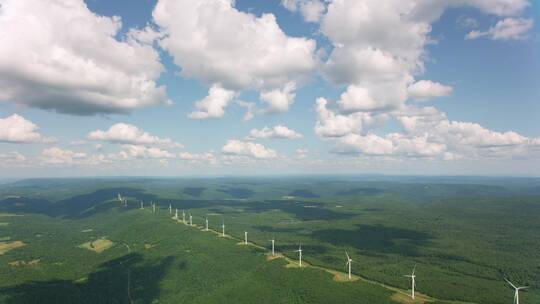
(183, 216)
(153, 207)
(517, 289)
(190, 220)
(245, 237)
(349, 262)
(170, 209)
(223, 229)
(176, 214)
(142, 205)
(206, 223)
(120, 198)
(413, 282)
(299, 255)
(273, 242)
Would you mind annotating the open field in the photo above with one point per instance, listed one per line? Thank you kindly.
(464, 236)
(7, 246)
(98, 245)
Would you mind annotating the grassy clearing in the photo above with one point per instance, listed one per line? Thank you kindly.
(342, 277)
(19, 263)
(6, 214)
(406, 299)
(3, 224)
(98, 245)
(7, 246)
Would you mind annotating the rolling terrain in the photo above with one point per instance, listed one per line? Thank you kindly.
(77, 244)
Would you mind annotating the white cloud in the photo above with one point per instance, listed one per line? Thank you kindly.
(279, 100)
(213, 105)
(332, 124)
(139, 151)
(379, 50)
(215, 43)
(123, 133)
(379, 46)
(17, 129)
(12, 158)
(392, 144)
(426, 89)
(58, 55)
(249, 106)
(302, 153)
(58, 156)
(459, 135)
(207, 157)
(249, 149)
(311, 10)
(358, 99)
(278, 131)
(506, 29)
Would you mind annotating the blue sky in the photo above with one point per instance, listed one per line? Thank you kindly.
(334, 87)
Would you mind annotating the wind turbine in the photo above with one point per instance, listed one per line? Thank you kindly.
(413, 283)
(142, 205)
(349, 262)
(206, 222)
(273, 241)
(119, 198)
(245, 237)
(183, 216)
(176, 214)
(517, 289)
(223, 229)
(299, 255)
(190, 220)
(170, 209)
(153, 207)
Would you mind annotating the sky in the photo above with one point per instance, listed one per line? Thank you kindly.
(269, 87)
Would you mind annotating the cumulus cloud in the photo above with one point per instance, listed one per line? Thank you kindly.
(213, 105)
(17, 129)
(506, 29)
(427, 132)
(139, 151)
(379, 47)
(390, 144)
(58, 156)
(278, 131)
(426, 89)
(207, 157)
(249, 149)
(58, 55)
(123, 133)
(217, 44)
(331, 123)
(250, 109)
(279, 100)
(302, 153)
(311, 10)
(378, 51)
(11, 159)
(461, 136)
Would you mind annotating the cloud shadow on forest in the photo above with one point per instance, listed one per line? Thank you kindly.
(109, 284)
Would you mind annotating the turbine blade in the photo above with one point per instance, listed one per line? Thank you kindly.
(414, 269)
(348, 258)
(514, 286)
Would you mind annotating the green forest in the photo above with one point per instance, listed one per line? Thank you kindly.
(72, 241)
